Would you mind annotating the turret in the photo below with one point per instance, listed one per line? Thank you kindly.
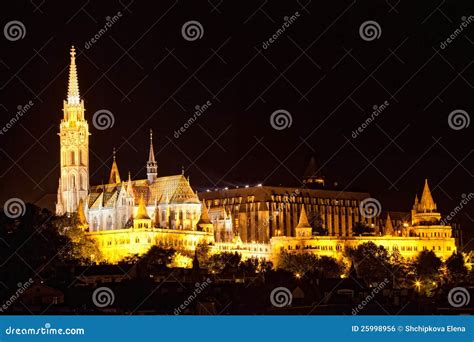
(303, 229)
(151, 165)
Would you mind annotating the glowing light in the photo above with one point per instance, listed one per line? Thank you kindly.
(260, 184)
(246, 186)
(297, 275)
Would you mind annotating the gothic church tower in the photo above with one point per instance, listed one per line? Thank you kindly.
(74, 143)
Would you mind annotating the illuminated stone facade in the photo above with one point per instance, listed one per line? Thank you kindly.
(128, 217)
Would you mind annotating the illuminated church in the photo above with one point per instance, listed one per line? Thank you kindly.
(127, 217)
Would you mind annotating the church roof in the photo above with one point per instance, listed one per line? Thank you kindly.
(169, 189)
(265, 193)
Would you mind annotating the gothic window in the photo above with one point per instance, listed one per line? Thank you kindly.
(73, 181)
(73, 158)
(109, 222)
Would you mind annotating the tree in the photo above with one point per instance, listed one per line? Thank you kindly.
(156, 258)
(427, 265)
(371, 262)
(299, 264)
(203, 254)
(83, 248)
(329, 267)
(457, 270)
(224, 262)
(402, 270)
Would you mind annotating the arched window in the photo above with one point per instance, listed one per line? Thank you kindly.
(73, 181)
(73, 158)
(109, 222)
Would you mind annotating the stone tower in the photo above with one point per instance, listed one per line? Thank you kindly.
(74, 148)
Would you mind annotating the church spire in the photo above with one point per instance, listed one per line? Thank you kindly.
(151, 165)
(73, 85)
(303, 229)
(427, 203)
(303, 221)
(388, 230)
(114, 172)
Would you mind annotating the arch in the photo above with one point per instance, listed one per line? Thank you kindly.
(95, 225)
(109, 223)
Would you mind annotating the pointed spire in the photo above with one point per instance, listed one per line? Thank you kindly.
(114, 172)
(415, 205)
(151, 156)
(129, 184)
(151, 166)
(427, 203)
(204, 214)
(303, 221)
(73, 85)
(142, 213)
(388, 230)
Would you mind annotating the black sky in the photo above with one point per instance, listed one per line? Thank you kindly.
(319, 70)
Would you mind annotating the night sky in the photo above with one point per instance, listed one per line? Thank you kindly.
(319, 70)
